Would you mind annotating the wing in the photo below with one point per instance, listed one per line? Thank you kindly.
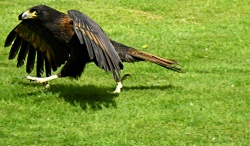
(35, 43)
(97, 43)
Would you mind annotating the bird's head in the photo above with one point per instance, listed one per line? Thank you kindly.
(39, 12)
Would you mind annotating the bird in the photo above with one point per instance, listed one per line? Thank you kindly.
(49, 39)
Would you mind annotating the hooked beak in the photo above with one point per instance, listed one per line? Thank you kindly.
(27, 15)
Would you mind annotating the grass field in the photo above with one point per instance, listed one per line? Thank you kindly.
(207, 105)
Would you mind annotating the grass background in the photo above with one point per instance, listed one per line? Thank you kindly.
(208, 105)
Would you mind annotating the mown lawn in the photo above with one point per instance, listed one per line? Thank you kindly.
(207, 105)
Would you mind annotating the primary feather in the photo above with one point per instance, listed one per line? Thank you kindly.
(75, 39)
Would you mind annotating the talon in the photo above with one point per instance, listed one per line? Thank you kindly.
(32, 81)
(114, 92)
(47, 87)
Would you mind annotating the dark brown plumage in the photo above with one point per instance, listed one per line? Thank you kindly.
(57, 38)
(131, 55)
(51, 38)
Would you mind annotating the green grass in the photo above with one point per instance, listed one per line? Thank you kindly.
(208, 105)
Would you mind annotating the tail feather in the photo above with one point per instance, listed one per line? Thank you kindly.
(166, 63)
(128, 54)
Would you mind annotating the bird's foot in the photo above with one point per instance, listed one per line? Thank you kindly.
(119, 84)
(118, 88)
(47, 87)
(35, 79)
(44, 81)
(40, 80)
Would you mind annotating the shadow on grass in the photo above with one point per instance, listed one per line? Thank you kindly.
(94, 97)
(91, 96)
(87, 96)
(151, 87)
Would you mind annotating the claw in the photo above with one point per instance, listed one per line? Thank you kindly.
(28, 78)
(31, 79)
(47, 87)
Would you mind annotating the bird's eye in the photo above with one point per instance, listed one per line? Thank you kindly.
(37, 11)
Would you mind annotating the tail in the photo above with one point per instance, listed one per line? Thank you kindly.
(166, 63)
(128, 54)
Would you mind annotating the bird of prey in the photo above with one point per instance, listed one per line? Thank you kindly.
(47, 38)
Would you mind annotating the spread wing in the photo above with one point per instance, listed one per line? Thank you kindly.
(97, 43)
(36, 44)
